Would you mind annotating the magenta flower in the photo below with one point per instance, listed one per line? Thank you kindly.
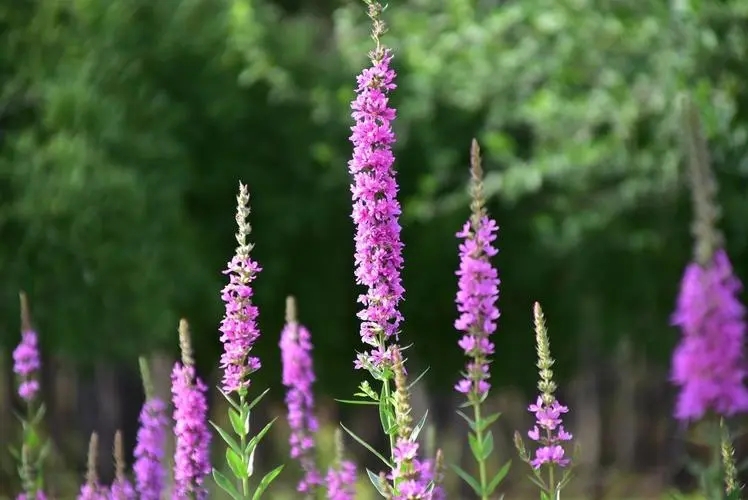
(412, 478)
(149, 451)
(93, 492)
(478, 291)
(549, 432)
(192, 454)
(298, 377)
(26, 365)
(376, 209)
(709, 363)
(122, 490)
(341, 481)
(39, 495)
(239, 325)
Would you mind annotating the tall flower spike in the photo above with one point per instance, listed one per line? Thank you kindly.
(121, 488)
(149, 450)
(709, 363)
(92, 490)
(192, 453)
(411, 477)
(26, 359)
(478, 288)
(239, 325)
(341, 477)
(548, 431)
(376, 210)
(298, 377)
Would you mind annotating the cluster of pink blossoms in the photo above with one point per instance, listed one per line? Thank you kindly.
(376, 210)
(709, 363)
(478, 291)
(549, 432)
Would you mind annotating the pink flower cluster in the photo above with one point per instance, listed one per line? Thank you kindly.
(549, 432)
(376, 210)
(709, 363)
(478, 291)
(298, 377)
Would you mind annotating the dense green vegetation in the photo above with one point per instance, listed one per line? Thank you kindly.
(125, 126)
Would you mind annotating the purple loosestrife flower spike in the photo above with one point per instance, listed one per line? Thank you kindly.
(239, 325)
(298, 377)
(121, 487)
(26, 358)
(709, 363)
(376, 210)
(149, 450)
(192, 453)
(341, 477)
(548, 431)
(478, 288)
(411, 477)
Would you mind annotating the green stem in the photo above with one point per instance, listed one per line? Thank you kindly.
(481, 461)
(551, 482)
(28, 474)
(243, 444)
(387, 395)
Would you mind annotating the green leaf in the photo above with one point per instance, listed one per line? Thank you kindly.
(367, 446)
(417, 429)
(487, 445)
(376, 481)
(485, 422)
(256, 439)
(39, 415)
(227, 439)
(468, 479)
(257, 399)
(231, 401)
(357, 401)
(366, 390)
(265, 482)
(476, 446)
(225, 484)
(498, 478)
(386, 417)
(467, 419)
(236, 464)
(418, 378)
(237, 422)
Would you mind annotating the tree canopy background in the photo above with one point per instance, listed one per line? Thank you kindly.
(126, 125)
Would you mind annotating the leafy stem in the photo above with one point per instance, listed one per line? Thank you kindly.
(482, 475)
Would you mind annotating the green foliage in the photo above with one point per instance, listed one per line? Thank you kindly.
(125, 125)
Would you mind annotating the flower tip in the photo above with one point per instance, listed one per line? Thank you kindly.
(184, 342)
(291, 311)
(93, 445)
(145, 376)
(25, 314)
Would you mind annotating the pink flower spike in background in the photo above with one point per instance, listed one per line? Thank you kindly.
(709, 363)
(298, 377)
(149, 450)
(192, 447)
(26, 358)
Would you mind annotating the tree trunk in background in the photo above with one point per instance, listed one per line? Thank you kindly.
(625, 409)
(7, 420)
(108, 422)
(61, 377)
(586, 401)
